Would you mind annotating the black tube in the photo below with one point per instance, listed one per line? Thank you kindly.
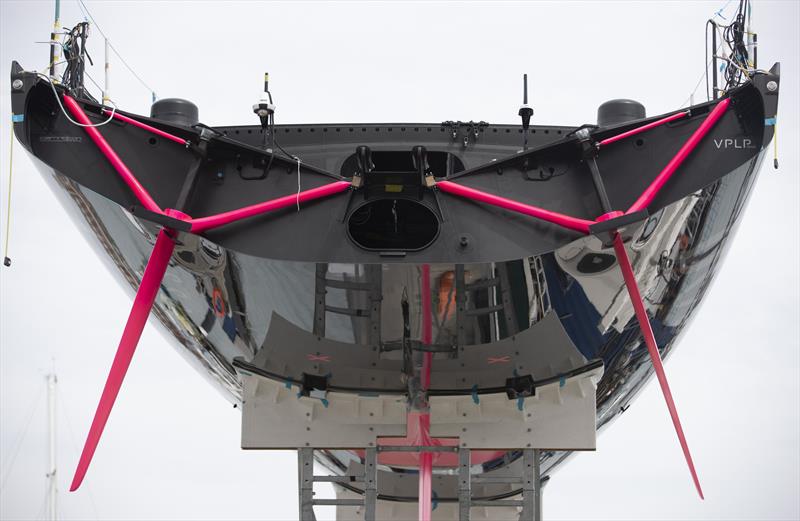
(525, 89)
(591, 365)
(755, 51)
(714, 90)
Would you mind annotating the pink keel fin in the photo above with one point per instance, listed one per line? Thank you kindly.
(142, 304)
(652, 348)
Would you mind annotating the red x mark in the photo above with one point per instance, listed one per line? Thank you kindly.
(498, 359)
(318, 358)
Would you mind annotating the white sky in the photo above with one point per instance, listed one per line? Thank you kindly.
(170, 450)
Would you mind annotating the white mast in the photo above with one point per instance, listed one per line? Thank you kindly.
(106, 86)
(51, 427)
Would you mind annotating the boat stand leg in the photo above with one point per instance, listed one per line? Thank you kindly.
(370, 483)
(531, 486)
(464, 485)
(305, 467)
(537, 486)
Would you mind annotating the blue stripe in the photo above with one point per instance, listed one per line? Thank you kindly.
(769, 121)
(17, 118)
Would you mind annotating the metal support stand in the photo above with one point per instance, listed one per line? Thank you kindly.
(531, 481)
(305, 467)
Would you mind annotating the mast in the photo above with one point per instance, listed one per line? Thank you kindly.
(52, 492)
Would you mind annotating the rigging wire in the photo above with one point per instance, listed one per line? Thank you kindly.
(74, 444)
(43, 507)
(88, 15)
(21, 439)
(715, 52)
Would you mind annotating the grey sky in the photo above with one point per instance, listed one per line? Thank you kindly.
(170, 450)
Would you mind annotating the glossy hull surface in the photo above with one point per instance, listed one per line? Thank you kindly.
(217, 305)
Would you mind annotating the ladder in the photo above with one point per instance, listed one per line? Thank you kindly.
(372, 286)
(465, 315)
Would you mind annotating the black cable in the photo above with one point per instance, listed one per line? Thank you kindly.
(733, 36)
(75, 56)
(589, 366)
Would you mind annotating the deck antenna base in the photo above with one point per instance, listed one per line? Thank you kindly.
(525, 112)
(264, 109)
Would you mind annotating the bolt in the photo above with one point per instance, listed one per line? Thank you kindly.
(17, 84)
(463, 241)
(772, 85)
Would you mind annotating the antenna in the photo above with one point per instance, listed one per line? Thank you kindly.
(264, 109)
(55, 46)
(107, 84)
(525, 112)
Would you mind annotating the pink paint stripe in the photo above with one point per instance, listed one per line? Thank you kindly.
(138, 190)
(650, 193)
(573, 223)
(135, 123)
(643, 128)
(142, 304)
(652, 348)
(214, 221)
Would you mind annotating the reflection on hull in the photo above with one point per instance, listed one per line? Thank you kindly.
(218, 305)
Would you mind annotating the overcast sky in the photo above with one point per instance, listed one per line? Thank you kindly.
(170, 450)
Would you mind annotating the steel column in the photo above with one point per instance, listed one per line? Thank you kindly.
(305, 468)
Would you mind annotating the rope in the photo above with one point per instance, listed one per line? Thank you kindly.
(298, 182)
(775, 146)
(6, 259)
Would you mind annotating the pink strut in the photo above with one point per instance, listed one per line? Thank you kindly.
(643, 128)
(154, 130)
(142, 304)
(136, 187)
(573, 223)
(202, 224)
(651, 191)
(652, 348)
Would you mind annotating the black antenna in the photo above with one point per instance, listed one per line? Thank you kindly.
(524, 89)
(525, 112)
